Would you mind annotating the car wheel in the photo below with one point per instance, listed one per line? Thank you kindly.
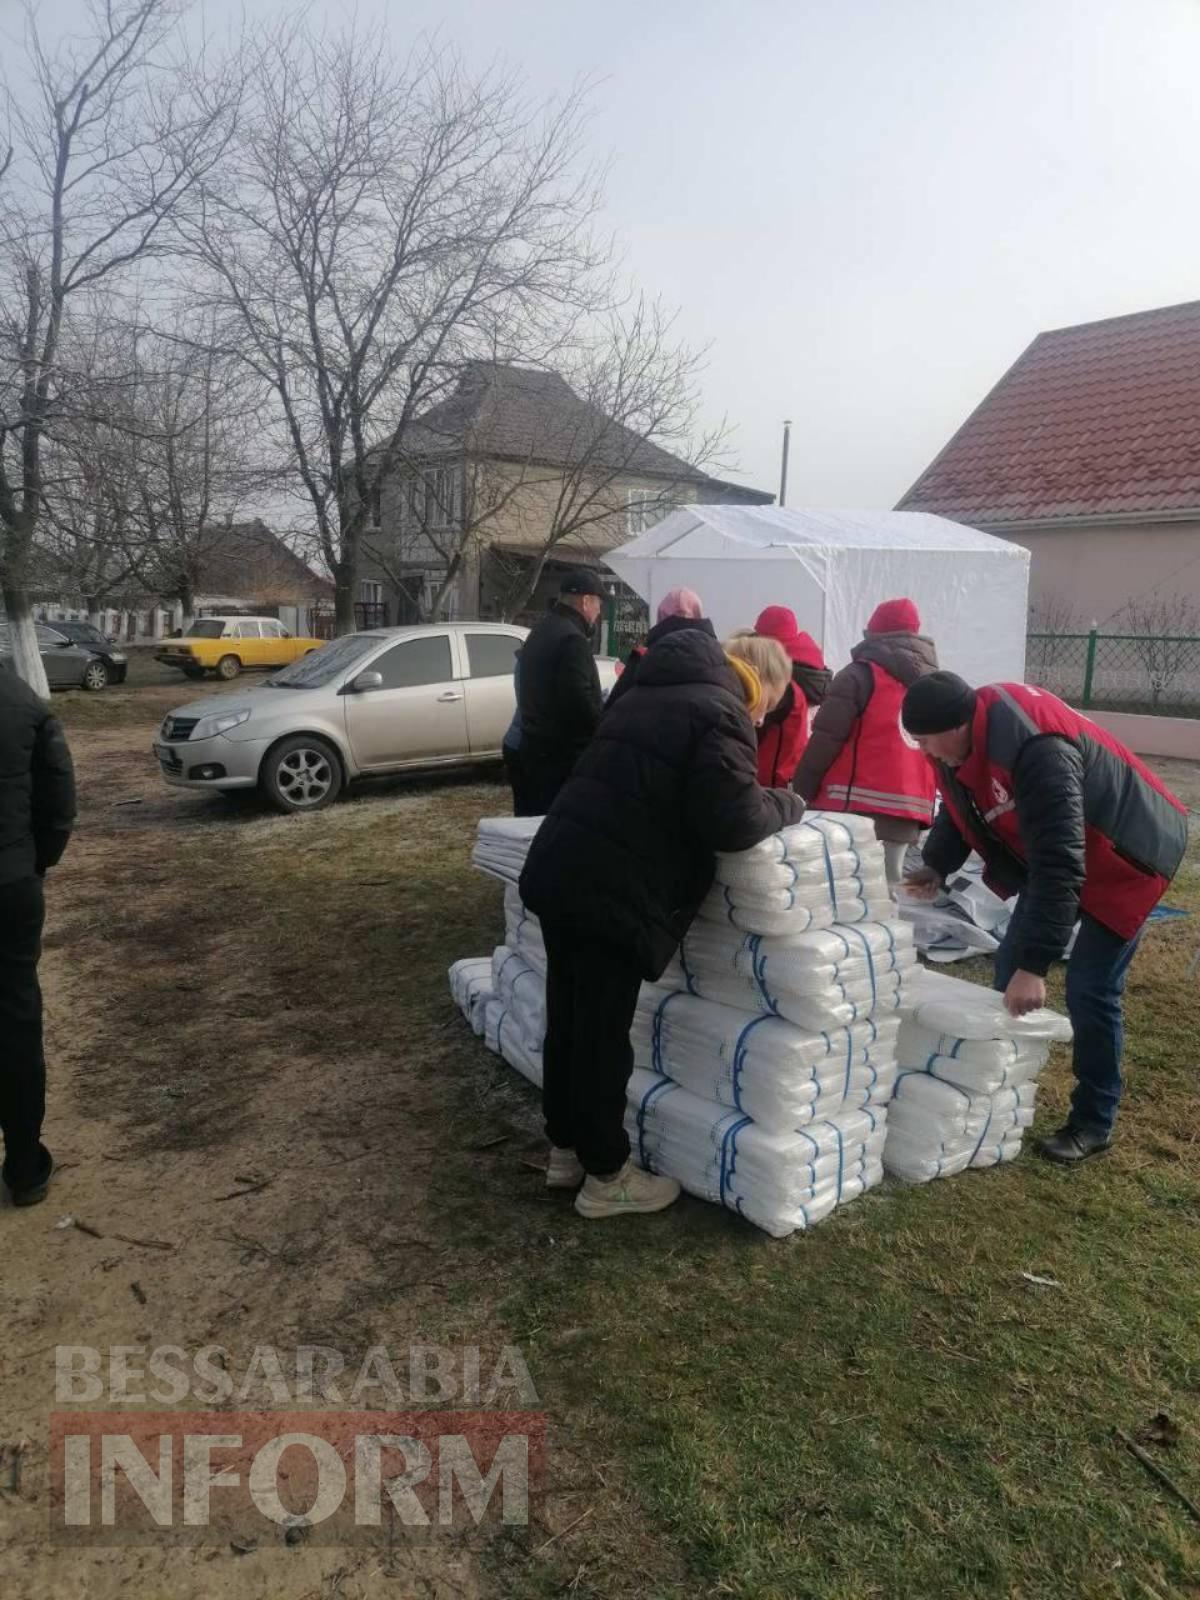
(228, 668)
(302, 773)
(95, 675)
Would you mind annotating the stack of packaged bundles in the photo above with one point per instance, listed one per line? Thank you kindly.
(767, 1053)
(967, 1081)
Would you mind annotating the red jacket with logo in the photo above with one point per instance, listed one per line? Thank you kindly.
(879, 771)
(1061, 812)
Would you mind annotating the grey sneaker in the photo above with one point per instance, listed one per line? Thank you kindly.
(564, 1170)
(629, 1192)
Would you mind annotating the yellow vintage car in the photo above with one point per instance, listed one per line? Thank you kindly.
(227, 645)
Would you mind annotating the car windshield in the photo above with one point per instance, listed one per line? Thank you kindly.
(320, 667)
(212, 629)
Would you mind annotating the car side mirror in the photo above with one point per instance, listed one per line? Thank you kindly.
(367, 681)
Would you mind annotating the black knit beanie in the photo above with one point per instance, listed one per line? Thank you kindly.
(938, 702)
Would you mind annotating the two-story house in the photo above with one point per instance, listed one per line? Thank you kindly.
(506, 483)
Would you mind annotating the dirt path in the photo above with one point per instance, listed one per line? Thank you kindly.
(254, 1007)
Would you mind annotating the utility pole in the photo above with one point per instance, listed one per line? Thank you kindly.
(787, 439)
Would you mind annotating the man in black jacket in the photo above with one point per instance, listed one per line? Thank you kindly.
(558, 693)
(37, 813)
(616, 874)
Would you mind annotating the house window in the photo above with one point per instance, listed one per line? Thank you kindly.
(431, 498)
(644, 508)
(370, 592)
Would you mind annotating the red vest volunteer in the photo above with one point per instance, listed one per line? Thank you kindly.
(858, 756)
(784, 732)
(1071, 821)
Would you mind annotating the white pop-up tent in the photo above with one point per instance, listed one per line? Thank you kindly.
(833, 567)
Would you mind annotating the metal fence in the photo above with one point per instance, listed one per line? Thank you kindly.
(1154, 674)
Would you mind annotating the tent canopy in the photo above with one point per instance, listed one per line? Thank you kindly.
(834, 567)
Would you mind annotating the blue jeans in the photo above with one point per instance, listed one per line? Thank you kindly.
(1096, 976)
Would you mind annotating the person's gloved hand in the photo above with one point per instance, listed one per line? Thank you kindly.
(1026, 992)
(923, 883)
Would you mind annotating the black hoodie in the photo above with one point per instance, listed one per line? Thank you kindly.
(626, 854)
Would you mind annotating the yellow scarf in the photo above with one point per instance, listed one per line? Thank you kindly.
(752, 689)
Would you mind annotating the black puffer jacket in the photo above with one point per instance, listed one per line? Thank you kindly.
(626, 854)
(559, 687)
(37, 783)
(1048, 789)
(660, 630)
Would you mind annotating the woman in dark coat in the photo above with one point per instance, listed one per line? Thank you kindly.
(616, 874)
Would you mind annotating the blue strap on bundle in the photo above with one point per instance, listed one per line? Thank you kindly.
(729, 1154)
(656, 1028)
(828, 861)
(739, 1057)
(651, 1093)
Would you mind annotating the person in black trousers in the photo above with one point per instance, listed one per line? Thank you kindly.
(558, 696)
(37, 813)
(616, 873)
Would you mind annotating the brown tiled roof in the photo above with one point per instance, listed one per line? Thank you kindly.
(1102, 419)
(524, 414)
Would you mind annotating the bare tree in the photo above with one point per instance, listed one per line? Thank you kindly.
(1164, 630)
(106, 145)
(632, 451)
(376, 224)
(615, 435)
(1054, 623)
(189, 459)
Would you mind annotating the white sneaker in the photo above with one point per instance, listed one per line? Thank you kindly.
(563, 1170)
(627, 1193)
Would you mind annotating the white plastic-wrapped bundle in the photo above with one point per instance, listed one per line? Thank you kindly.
(471, 987)
(773, 1071)
(828, 868)
(967, 1082)
(778, 1181)
(522, 988)
(506, 1032)
(522, 930)
(501, 845)
(936, 1129)
(821, 979)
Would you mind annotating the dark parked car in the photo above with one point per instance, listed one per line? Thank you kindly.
(68, 666)
(109, 651)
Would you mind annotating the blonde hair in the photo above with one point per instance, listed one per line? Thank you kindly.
(766, 656)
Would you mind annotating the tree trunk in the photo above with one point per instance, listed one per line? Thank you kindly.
(22, 634)
(95, 613)
(443, 588)
(187, 600)
(343, 598)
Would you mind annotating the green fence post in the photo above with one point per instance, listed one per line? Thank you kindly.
(1089, 669)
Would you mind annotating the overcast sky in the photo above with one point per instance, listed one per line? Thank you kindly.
(867, 207)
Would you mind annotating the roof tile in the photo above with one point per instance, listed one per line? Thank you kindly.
(1090, 421)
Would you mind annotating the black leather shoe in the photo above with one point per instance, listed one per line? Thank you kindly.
(1070, 1144)
(30, 1191)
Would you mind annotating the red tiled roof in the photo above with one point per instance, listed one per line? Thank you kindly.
(1096, 420)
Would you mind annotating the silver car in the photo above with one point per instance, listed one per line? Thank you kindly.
(364, 705)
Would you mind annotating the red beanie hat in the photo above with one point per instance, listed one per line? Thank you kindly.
(895, 616)
(777, 622)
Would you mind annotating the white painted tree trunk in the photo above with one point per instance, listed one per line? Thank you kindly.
(22, 634)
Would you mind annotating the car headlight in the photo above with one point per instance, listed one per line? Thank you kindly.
(116, 656)
(209, 727)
